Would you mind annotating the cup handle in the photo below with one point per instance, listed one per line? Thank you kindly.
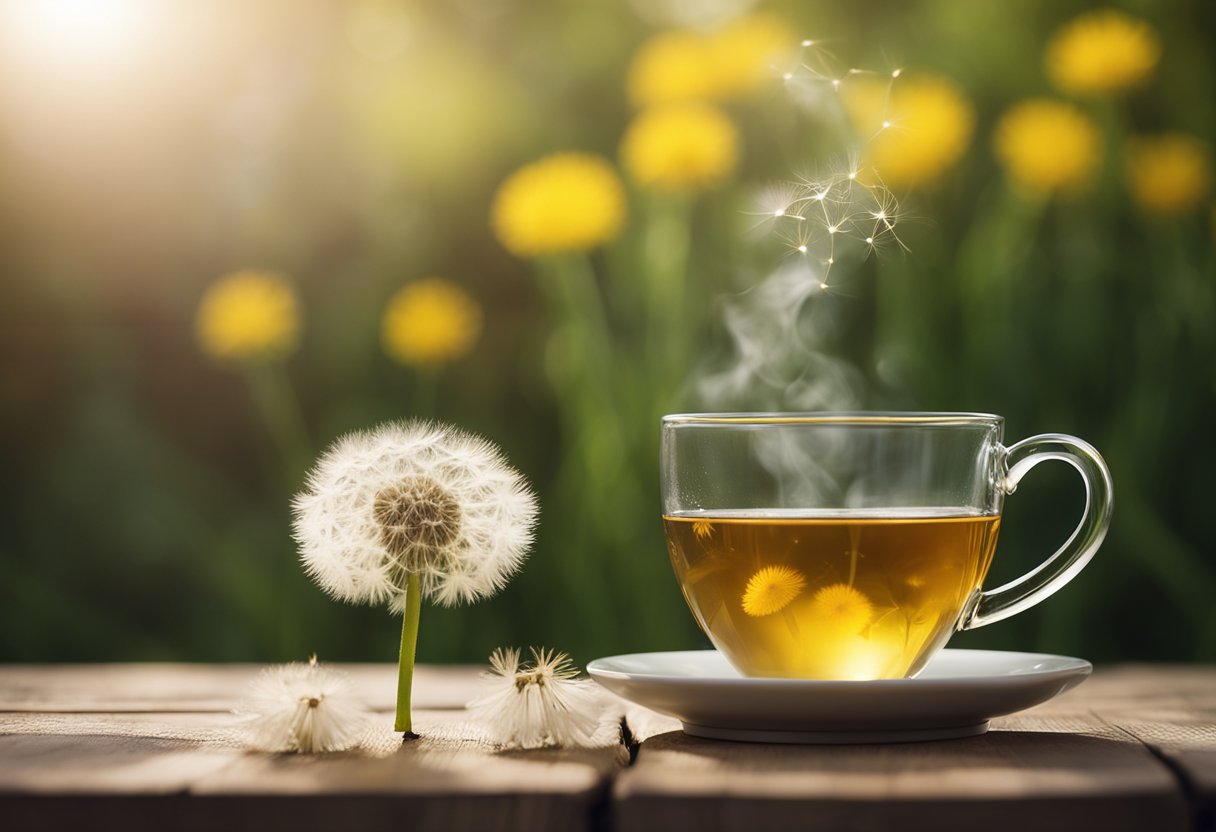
(1053, 573)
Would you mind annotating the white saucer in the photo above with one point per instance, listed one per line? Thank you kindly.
(954, 696)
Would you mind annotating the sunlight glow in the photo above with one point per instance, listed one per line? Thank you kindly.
(80, 32)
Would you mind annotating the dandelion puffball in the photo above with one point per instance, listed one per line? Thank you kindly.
(302, 707)
(415, 499)
(540, 704)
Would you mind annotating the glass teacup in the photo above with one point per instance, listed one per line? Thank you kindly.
(852, 545)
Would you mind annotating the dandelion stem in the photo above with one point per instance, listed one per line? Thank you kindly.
(409, 649)
(666, 255)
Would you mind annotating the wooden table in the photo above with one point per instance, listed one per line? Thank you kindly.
(153, 746)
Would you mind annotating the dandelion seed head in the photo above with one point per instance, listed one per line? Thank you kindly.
(537, 704)
(417, 498)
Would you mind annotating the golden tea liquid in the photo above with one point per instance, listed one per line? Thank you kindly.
(831, 594)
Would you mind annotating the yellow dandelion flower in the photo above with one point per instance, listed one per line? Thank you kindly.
(680, 147)
(1048, 146)
(917, 129)
(682, 65)
(564, 202)
(842, 607)
(248, 315)
(429, 322)
(1168, 174)
(1100, 52)
(747, 52)
(703, 529)
(771, 589)
(670, 67)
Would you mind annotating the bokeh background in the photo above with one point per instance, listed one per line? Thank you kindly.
(232, 231)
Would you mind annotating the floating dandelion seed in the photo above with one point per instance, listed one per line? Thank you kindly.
(537, 705)
(842, 607)
(771, 589)
(413, 510)
(703, 529)
(303, 708)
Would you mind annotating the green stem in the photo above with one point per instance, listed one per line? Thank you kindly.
(280, 410)
(667, 245)
(426, 390)
(409, 649)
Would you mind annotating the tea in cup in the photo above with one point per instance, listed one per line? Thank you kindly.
(852, 546)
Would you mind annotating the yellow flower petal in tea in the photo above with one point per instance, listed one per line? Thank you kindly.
(680, 147)
(1101, 51)
(1047, 146)
(430, 322)
(771, 589)
(703, 529)
(249, 315)
(842, 608)
(1168, 174)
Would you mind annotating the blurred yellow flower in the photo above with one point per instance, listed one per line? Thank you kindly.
(680, 147)
(684, 65)
(671, 66)
(1101, 51)
(771, 589)
(916, 128)
(429, 322)
(1168, 174)
(749, 51)
(248, 315)
(1048, 146)
(563, 202)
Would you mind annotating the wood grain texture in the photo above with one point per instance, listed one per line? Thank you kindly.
(195, 687)
(188, 771)
(1056, 767)
(132, 746)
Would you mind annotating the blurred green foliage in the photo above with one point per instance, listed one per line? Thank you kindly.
(144, 507)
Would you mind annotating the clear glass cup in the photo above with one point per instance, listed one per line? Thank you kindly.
(852, 545)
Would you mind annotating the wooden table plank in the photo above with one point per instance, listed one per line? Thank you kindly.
(137, 745)
(1069, 764)
(188, 770)
(117, 688)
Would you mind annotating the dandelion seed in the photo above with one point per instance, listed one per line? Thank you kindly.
(703, 529)
(802, 249)
(870, 240)
(807, 43)
(303, 708)
(771, 589)
(895, 73)
(537, 705)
